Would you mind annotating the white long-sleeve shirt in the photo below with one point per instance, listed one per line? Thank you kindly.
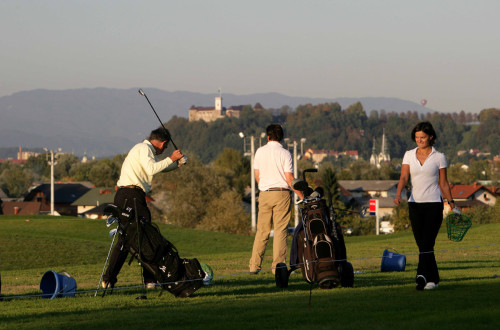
(141, 164)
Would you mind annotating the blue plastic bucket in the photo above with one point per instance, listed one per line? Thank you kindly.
(393, 262)
(55, 285)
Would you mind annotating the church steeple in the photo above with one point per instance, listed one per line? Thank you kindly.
(383, 156)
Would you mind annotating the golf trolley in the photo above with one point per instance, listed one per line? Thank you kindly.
(318, 247)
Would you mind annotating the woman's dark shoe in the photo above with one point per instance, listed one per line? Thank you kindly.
(421, 282)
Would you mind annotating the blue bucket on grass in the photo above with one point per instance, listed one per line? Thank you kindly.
(55, 285)
(393, 262)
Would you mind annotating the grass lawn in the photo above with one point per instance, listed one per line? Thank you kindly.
(467, 297)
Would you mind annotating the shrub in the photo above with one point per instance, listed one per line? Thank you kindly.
(226, 214)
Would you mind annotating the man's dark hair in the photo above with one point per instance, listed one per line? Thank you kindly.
(427, 128)
(159, 134)
(274, 132)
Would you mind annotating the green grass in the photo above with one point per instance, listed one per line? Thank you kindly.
(467, 297)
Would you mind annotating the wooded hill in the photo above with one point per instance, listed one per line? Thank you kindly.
(328, 126)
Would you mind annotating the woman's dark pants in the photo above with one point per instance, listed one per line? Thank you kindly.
(426, 219)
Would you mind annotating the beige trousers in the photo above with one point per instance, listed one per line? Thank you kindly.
(274, 210)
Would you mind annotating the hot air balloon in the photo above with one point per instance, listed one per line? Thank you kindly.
(423, 102)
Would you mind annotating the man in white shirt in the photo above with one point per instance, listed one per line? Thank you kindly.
(273, 169)
(143, 161)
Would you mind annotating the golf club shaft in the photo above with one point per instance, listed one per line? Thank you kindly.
(105, 263)
(166, 130)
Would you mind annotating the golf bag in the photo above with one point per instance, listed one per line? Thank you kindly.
(143, 240)
(318, 246)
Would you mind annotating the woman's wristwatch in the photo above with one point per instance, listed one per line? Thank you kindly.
(452, 201)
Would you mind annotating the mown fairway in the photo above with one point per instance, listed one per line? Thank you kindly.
(467, 298)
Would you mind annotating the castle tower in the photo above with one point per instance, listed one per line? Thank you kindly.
(218, 103)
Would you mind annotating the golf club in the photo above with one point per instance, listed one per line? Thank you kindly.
(143, 296)
(111, 220)
(111, 233)
(166, 130)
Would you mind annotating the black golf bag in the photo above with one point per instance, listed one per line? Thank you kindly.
(143, 240)
(318, 246)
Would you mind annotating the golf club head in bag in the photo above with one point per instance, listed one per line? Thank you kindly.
(110, 220)
(299, 185)
(118, 214)
(302, 185)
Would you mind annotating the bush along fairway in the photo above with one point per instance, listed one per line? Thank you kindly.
(467, 296)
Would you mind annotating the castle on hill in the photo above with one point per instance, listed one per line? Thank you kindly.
(210, 114)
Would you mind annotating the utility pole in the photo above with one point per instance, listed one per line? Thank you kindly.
(52, 182)
(295, 175)
(252, 184)
(253, 206)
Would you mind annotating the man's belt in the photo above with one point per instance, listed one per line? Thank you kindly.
(278, 189)
(131, 187)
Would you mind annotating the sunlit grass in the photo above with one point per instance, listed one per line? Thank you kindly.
(467, 296)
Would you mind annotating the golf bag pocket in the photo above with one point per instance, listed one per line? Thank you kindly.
(326, 271)
(191, 280)
(316, 224)
(323, 247)
(317, 220)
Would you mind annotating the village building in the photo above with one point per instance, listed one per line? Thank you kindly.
(209, 114)
(64, 195)
(361, 191)
(467, 196)
(91, 205)
(318, 155)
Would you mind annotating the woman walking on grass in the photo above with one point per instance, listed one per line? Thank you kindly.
(427, 169)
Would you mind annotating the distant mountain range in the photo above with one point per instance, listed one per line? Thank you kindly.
(103, 122)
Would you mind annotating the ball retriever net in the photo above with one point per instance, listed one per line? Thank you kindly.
(457, 226)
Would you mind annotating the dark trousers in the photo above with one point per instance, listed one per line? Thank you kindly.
(125, 198)
(426, 219)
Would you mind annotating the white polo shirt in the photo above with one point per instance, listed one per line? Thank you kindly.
(141, 164)
(425, 178)
(272, 161)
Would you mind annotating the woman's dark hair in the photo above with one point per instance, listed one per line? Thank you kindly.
(275, 132)
(427, 128)
(159, 134)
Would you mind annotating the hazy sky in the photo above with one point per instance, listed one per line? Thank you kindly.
(447, 52)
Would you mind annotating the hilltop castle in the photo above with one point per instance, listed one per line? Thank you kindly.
(209, 114)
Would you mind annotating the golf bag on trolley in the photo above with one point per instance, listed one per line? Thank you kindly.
(143, 240)
(318, 246)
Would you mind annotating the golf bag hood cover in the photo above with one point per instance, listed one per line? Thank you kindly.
(124, 215)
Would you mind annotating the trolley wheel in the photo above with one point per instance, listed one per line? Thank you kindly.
(281, 275)
(346, 274)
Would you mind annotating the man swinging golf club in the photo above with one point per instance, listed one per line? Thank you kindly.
(143, 161)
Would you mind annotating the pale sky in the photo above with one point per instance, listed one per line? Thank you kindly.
(447, 52)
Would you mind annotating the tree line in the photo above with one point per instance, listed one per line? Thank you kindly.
(328, 126)
(207, 193)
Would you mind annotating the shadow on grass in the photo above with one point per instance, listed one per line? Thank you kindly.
(468, 264)
(355, 310)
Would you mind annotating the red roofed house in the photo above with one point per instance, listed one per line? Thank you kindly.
(470, 195)
(23, 208)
